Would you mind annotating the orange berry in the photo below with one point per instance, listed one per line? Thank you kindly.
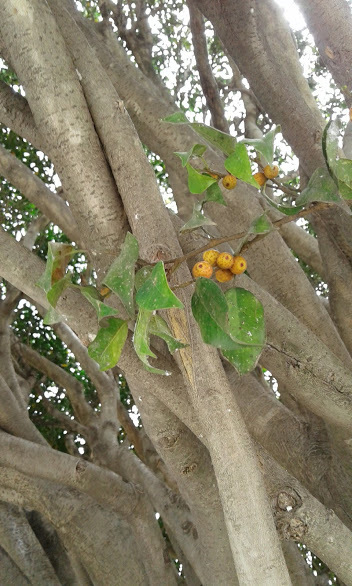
(271, 172)
(210, 256)
(224, 260)
(223, 275)
(229, 182)
(239, 265)
(260, 178)
(202, 269)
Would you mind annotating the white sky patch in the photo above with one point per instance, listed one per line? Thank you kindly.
(292, 14)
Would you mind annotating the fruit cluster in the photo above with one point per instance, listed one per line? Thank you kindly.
(228, 266)
(269, 172)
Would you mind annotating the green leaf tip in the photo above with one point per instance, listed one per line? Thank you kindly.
(155, 292)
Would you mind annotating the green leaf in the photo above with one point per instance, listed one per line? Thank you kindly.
(107, 347)
(177, 118)
(120, 276)
(155, 292)
(239, 165)
(142, 275)
(283, 209)
(52, 317)
(209, 308)
(246, 327)
(197, 183)
(159, 327)
(343, 171)
(221, 140)
(213, 193)
(92, 295)
(196, 151)
(57, 289)
(197, 219)
(59, 255)
(345, 190)
(260, 225)
(265, 145)
(141, 341)
(321, 187)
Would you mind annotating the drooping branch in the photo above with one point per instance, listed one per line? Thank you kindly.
(34, 189)
(207, 80)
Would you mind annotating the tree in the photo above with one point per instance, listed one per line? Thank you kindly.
(215, 476)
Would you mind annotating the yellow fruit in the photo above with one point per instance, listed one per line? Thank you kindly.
(202, 269)
(239, 265)
(223, 275)
(271, 172)
(210, 256)
(260, 178)
(229, 182)
(224, 260)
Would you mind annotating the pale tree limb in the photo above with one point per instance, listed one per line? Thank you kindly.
(207, 80)
(171, 506)
(301, 517)
(30, 458)
(14, 417)
(35, 190)
(188, 462)
(137, 33)
(304, 245)
(299, 571)
(10, 572)
(240, 486)
(133, 174)
(30, 557)
(69, 131)
(338, 273)
(74, 389)
(330, 23)
(111, 559)
(16, 114)
(250, 103)
(292, 353)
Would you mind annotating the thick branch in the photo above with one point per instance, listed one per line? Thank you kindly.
(330, 22)
(308, 521)
(61, 112)
(16, 114)
(36, 566)
(32, 459)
